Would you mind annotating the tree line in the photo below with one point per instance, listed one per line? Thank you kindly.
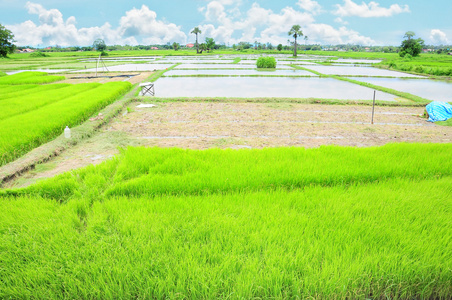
(410, 46)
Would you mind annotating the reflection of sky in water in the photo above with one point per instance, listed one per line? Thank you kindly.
(195, 61)
(430, 89)
(293, 72)
(250, 87)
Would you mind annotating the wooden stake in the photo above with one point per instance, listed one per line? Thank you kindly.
(373, 108)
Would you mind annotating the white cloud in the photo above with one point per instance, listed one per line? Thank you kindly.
(137, 26)
(330, 35)
(370, 10)
(263, 25)
(341, 21)
(143, 23)
(310, 6)
(438, 37)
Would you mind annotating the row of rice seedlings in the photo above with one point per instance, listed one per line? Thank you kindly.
(29, 78)
(155, 171)
(30, 90)
(12, 89)
(21, 133)
(19, 105)
(390, 239)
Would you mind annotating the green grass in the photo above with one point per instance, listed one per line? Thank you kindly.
(29, 78)
(430, 64)
(387, 234)
(21, 132)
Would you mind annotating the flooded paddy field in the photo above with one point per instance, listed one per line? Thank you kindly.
(271, 87)
(439, 90)
(200, 72)
(358, 71)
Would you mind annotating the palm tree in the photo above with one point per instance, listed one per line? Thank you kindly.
(196, 31)
(295, 31)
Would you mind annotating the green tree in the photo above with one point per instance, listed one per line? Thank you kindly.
(176, 46)
(202, 47)
(410, 45)
(196, 31)
(6, 41)
(210, 44)
(295, 32)
(99, 45)
(279, 47)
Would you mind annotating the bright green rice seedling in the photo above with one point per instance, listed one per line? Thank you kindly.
(12, 89)
(154, 171)
(19, 105)
(29, 90)
(388, 235)
(23, 132)
(29, 78)
(268, 62)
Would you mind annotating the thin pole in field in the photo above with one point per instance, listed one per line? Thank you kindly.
(373, 108)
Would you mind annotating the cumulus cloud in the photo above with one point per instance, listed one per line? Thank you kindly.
(371, 10)
(341, 21)
(264, 25)
(310, 6)
(142, 23)
(438, 37)
(137, 26)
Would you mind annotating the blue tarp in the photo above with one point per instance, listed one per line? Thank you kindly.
(439, 111)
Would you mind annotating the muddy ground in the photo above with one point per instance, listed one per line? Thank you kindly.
(132, 77)
(244, 125)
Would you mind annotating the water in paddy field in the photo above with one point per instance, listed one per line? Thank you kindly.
(293, 72)
(278, 87)
(439, 90)
(195, 61)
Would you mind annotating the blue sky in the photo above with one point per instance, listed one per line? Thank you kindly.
(380, 22)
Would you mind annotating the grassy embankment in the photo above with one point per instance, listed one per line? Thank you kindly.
(322, 223)
(425, 64)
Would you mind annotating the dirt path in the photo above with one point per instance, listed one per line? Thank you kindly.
(245, 125)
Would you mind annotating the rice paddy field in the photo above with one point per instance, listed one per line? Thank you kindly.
(203, 196)
(323, 223)
(33, 115)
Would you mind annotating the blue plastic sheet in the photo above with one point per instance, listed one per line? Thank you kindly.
(439, 111)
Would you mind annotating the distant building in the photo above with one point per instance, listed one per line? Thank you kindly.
(27, 50)
(190, 45)
(154, 48)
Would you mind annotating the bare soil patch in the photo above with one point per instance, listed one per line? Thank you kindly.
(132, 77)
(245, 125)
